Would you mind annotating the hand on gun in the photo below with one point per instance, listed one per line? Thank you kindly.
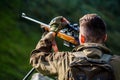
(56, 24)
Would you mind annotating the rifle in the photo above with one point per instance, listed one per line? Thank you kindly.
(68, 34)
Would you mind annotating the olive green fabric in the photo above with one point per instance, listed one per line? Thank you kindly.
(58, 23)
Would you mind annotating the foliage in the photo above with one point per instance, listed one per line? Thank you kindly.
(18, 36)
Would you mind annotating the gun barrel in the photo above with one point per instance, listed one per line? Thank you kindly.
(36, 21)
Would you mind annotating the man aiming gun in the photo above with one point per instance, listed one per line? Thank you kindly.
(92, 37)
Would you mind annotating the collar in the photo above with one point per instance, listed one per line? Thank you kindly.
(91, 49)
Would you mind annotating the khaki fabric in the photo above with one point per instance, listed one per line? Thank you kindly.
(57, 64)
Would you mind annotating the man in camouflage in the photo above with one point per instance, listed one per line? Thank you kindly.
(92, 34)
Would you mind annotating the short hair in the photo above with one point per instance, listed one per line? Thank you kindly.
(93, 27)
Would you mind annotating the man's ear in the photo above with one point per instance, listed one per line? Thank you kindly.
(82, 39)
(105, 37)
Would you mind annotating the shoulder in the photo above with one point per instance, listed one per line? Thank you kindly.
(115, 63)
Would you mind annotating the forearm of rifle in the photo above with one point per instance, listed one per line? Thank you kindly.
(67, 38)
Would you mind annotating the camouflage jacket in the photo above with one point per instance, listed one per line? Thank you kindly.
(56, 64)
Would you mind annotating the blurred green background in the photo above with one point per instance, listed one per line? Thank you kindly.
(18, 36)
